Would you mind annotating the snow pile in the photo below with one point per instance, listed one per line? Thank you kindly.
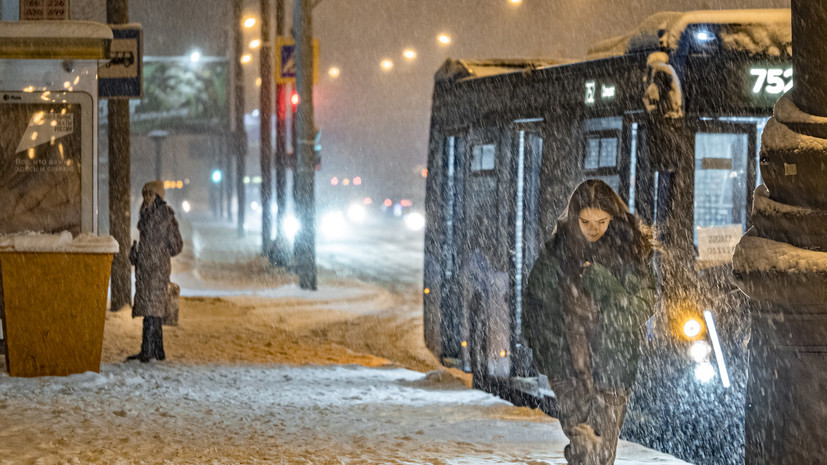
(63, 242)
(663, 79)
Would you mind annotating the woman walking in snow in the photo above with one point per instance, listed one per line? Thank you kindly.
(589, 293)
(160, 239)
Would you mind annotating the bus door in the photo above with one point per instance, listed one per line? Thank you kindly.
(528, 141)
(725, 172)
(450, 307)
(484, 279)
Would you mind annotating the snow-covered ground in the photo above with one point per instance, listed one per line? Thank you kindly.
(261, 372)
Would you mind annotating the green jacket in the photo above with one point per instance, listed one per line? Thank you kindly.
(624, 304)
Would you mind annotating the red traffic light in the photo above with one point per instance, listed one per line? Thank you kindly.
(294, 100)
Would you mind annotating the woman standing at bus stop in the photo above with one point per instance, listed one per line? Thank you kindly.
(160, 239)
(589, 293)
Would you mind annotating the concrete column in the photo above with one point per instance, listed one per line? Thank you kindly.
(781, 264)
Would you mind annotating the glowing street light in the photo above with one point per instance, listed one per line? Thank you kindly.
(258, 82)
(249, 22)
(246, 58)
(444, 39)
(409, 54)
(515, 2)
(195, 56)
(386, 65)
(255, 43)
(334, 72)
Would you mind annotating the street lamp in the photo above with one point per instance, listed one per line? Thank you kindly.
(515, 2)
(386, 65)
(334, 72)
(195, 56)
(409, 54)
(444, 39)
(249, 22)
(246, 58)
(255, 43)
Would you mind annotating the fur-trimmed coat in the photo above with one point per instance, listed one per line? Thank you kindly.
(159, 240)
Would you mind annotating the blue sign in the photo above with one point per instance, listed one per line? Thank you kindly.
(122, 75)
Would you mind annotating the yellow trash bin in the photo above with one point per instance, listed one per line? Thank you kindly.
(55, 309)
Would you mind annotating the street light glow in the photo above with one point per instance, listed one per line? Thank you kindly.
(246, 58)
(334, 72)
(515, 2)
(195, 56)
(255, 43)
(386, 65)
(249, 22)
(410, 54)
(444, 39)
(258, 82)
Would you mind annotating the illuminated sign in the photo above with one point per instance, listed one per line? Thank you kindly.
(771, 80)
(607, 92)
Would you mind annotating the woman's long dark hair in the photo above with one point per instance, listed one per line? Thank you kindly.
(627, 235)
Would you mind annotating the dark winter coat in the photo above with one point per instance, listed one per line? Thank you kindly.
(622, 299)
(159, 240)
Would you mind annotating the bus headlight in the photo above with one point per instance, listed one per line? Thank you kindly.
(700, 351)
(704, 372)
(692, 328)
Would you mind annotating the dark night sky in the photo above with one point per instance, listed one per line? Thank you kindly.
(375, 123)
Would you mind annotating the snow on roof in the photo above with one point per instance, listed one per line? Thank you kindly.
(455, 70)
(54, 30)
(754, 31)
(63, 242)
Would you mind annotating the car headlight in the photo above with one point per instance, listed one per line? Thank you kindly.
(414, 221)
(357, 213)
(291, 227)
(333, 224)
(185, 205)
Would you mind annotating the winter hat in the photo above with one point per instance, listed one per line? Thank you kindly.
(156, 186)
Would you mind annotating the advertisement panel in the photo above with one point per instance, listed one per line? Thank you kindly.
(46, 162)
(180, 95)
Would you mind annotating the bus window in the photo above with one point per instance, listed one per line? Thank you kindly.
(600, 158)
(720, 179)
(482, 158)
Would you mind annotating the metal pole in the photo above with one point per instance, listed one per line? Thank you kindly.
(240, 134)
(265, 110)
(785, 406)
(809, 56)
(305, 158)
(279, 254)
(117, 12)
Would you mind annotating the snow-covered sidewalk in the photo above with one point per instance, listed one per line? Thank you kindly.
(260, 372)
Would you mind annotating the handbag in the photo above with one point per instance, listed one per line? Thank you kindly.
(171, 307)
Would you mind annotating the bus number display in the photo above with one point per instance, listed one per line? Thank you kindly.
(772, 81)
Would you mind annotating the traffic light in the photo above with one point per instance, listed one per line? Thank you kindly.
(294, 100)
